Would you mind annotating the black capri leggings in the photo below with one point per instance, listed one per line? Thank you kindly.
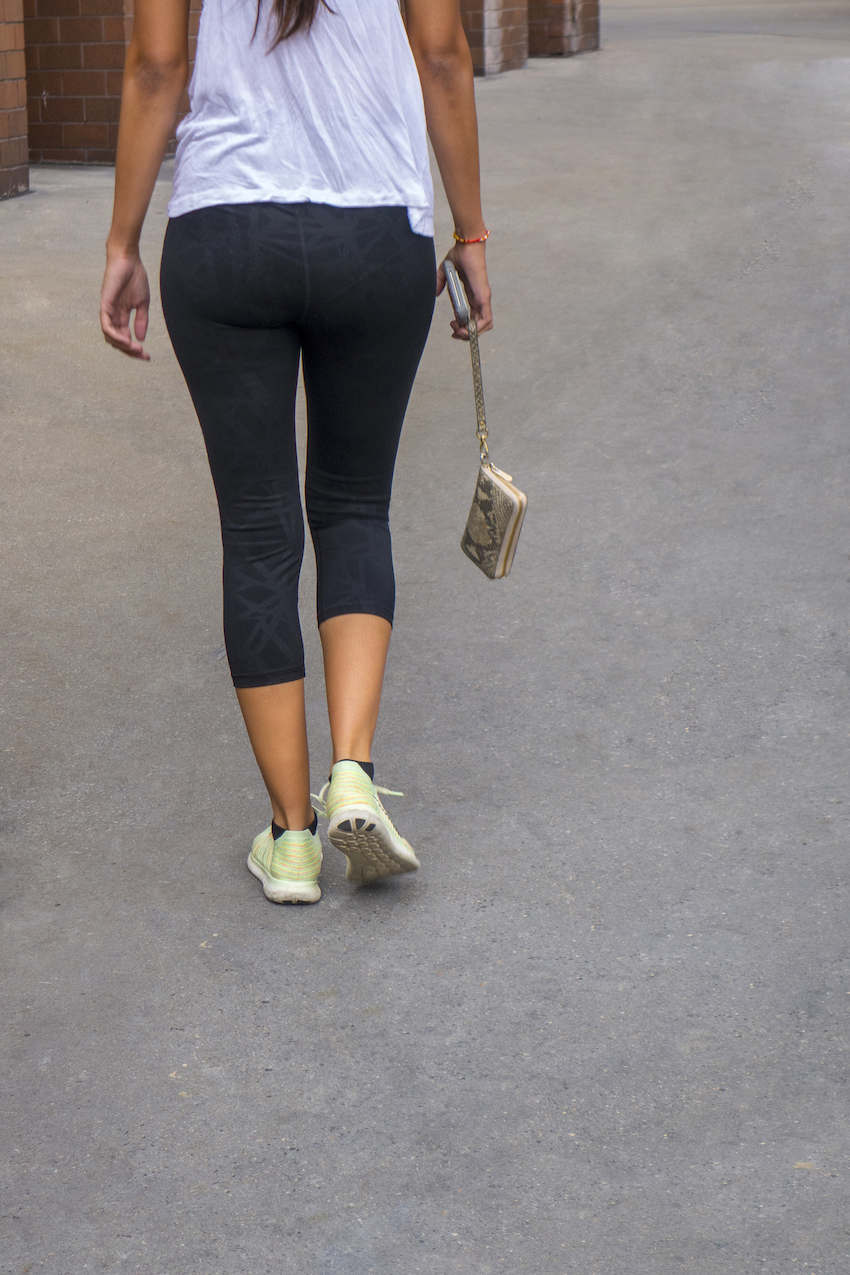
(247, 290)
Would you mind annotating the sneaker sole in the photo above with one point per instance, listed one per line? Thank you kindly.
(283, 891)
(371, 849)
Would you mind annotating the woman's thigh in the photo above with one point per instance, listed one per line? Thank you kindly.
(371, 299)
(232, 284)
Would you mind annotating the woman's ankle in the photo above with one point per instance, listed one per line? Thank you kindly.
(279, 829)
(366, 766)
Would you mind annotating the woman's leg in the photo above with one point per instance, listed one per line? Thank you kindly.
(372, 284)
(354, 648)
(277, 728)
(232, 283)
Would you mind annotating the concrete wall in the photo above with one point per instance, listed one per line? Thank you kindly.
(14, 170)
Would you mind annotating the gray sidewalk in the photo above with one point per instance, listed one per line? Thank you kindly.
(603, 1030)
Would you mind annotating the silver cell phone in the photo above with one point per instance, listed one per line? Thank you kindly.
(457, 294)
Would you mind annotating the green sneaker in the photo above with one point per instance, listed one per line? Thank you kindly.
(359, 826)
(289, 867)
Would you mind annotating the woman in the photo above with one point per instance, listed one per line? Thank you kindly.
(301, 229)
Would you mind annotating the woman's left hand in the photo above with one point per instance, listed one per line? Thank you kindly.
(125, 289)
(469, 261)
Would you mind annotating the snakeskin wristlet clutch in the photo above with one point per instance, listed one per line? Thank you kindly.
(493, 526)
(498, 507)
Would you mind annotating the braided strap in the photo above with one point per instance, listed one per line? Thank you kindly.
(481, 432)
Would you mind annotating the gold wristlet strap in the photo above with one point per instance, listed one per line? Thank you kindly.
(481, 428)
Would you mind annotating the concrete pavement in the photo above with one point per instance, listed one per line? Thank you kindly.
(604, 1029)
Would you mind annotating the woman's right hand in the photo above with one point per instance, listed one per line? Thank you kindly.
(469, 261)
(125, 289)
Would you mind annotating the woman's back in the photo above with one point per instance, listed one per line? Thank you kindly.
(332, 115)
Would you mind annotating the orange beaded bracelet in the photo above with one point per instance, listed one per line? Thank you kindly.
(480, 239)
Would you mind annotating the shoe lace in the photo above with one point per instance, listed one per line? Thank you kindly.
(320, 804)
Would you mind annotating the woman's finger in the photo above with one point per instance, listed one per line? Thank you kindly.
(140, 327)
(118, 336)
(484, 317)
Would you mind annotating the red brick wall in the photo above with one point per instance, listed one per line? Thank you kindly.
(497, 31)
(14, 173)
(558, 28)
(75, 62)
(75, 56)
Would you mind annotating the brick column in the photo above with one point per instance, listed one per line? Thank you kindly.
(75, 65)
(559, 28)
(497, 31)
(14, 172)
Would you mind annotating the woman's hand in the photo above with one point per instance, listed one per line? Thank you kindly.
(469, 260)
(125, 288)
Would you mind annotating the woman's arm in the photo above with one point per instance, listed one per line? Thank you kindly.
(155, 76)
(443, 60)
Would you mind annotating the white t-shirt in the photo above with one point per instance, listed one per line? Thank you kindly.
(331, 116)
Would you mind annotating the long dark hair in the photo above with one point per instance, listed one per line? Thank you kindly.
(289, 17)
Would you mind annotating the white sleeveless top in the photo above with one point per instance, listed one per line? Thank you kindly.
(331, 116)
